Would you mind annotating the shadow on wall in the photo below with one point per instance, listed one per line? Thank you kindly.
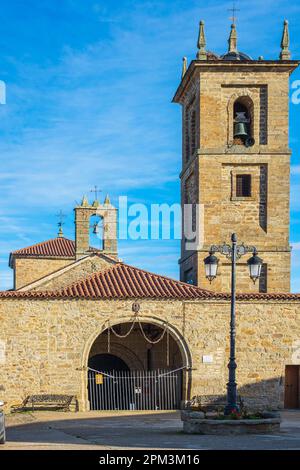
(262, 395)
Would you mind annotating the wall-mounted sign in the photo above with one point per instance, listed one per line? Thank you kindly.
(99, 379)
(207, 359)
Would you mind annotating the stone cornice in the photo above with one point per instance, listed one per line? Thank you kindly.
(222, 66)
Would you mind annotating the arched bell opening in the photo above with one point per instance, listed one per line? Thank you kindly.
(243, 122)
(96, 232)
(136, 365)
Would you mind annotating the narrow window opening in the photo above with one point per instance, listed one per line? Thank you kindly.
(96, 232)
(243, 186)
(193, 132)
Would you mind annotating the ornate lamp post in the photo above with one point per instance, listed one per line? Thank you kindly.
(232, 252)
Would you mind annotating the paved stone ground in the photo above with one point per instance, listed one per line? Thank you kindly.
(132, 430)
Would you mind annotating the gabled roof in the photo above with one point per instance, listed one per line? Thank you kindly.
(122, 282)
(59, 247)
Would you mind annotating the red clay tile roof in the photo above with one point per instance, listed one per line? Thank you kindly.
(122, 281)
(56, 247)
(59, 247)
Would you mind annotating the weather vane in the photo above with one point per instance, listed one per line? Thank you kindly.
(61, 217)
(233, 10)
(96, 190)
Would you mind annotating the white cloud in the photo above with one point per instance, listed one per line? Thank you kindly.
(295, 170)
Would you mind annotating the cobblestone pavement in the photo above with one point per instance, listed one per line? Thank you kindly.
(132, 430)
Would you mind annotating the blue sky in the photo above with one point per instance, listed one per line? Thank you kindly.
(89, 89)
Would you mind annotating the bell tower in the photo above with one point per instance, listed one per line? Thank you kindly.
(236, 162)
(83, 213)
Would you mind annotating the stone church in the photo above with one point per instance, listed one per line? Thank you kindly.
(82, 323)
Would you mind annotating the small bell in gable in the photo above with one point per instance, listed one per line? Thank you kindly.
(96, 229)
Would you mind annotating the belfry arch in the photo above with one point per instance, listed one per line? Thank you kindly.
(108, 215)
(161, 363)
(250, 103)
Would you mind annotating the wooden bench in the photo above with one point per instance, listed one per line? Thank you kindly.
(46, 402)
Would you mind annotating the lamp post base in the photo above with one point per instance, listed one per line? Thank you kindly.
(231, 409)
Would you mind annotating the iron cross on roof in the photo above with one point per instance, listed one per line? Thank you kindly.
(96, 190)
(61, 217)
(234, 10)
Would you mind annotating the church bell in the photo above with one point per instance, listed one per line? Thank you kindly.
(96, 229)
(240, 130)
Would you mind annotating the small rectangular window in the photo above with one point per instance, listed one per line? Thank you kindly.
(243, 186)
(189, 276)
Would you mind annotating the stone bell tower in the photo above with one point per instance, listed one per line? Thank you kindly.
(83, 213)
(236, 161)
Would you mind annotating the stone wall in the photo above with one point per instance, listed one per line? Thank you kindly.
(28, 270)
(46, 343)
(79, 270)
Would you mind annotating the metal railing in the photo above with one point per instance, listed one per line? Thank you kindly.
(159, 389)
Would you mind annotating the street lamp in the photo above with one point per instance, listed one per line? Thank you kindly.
(232, 252)
(211, 266)
(255, 265)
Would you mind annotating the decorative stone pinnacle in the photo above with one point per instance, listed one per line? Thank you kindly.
(96, 203)
(285, 42)
(84, 202)
(107, 200)
(232, 41)
(201, 54)
(184, 67)
(60, 233)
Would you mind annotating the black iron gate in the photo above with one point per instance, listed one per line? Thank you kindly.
(135, 390)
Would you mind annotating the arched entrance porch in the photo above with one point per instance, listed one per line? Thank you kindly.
(141, 364)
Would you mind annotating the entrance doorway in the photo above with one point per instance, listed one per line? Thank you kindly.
(292, 389)
(107, 362)
(136, 366)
